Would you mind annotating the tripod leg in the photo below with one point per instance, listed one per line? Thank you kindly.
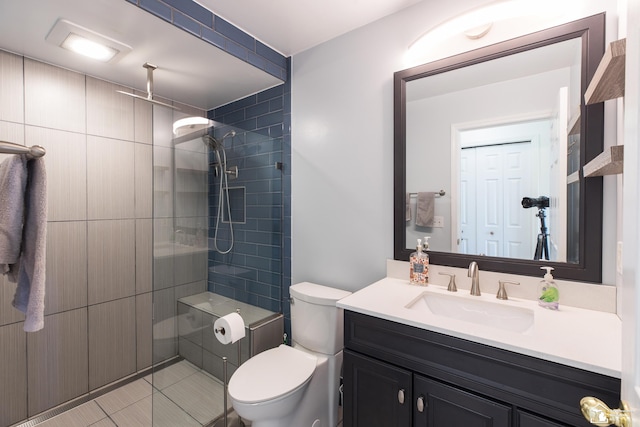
(538, 253)
(545, 246)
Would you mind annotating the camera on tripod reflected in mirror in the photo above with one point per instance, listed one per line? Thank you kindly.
(540, 203)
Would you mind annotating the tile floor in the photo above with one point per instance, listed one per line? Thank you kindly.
(182, 396)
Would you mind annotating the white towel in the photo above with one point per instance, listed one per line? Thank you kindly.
(13, 181)
(30, 292)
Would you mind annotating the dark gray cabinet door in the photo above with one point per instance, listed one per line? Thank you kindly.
(376, 394)
(529, 420)
(446, 406)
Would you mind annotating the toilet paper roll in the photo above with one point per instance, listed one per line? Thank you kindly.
(229, 328)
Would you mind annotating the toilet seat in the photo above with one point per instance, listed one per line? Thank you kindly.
(271, 374)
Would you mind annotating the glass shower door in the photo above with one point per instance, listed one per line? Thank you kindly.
(184, 394)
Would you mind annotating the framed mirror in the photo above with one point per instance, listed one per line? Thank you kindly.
(488, 153)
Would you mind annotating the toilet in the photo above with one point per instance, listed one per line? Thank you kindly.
(298, 385)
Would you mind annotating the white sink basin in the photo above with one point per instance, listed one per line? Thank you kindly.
(475, 310)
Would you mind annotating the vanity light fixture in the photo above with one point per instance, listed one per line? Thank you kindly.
(85, 42)
(476, 23)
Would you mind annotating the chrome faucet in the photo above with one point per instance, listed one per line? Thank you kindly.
(475, 279)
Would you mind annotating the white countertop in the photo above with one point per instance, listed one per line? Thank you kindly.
(577, 337)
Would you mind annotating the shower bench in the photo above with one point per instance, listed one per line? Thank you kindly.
(264, 329)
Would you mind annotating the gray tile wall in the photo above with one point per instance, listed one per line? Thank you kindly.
(98, 323)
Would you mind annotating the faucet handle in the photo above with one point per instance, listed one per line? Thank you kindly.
(502, 292)
(452, 282)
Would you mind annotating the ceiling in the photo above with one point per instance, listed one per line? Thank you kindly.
(301, 24)
(189, 70)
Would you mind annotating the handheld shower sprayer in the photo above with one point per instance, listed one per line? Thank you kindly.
(217, 145)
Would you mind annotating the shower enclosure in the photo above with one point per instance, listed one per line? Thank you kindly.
(217, 239)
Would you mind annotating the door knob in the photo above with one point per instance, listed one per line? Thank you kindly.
(401, 396)
(420, 404)
(598, 413)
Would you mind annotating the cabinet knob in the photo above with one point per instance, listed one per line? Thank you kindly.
(420, 404)
(401, 396)
(598, 413)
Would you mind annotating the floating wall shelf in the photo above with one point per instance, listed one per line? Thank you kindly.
(608, 80)
(609, 162)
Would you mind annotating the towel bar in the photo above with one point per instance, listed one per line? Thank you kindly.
(439, 193)
(31, 152)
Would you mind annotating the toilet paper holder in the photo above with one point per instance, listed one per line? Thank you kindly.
(225, 419)
(221, 330)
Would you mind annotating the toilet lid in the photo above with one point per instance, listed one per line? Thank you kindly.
(271, 374)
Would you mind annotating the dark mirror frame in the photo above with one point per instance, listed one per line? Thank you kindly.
(589, 268)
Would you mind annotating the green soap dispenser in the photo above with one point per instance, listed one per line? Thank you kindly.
(549, 293)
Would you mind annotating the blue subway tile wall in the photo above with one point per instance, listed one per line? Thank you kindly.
(204, 24)
(258, 268)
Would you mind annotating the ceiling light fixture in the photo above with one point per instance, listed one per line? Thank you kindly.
(86, 47)
(190, 124)
(81, 40)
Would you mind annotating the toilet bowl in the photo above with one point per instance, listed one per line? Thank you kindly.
(269, 396)
(296, 386)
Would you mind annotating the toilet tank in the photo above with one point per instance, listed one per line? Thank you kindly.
(316, 322)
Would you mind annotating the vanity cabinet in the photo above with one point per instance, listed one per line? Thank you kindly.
(400, 375)
(378, 385)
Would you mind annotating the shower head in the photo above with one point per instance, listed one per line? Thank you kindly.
(214, 143)
(231, 133)
(149, 97)
(211, 142)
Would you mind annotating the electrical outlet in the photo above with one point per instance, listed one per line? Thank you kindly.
(438, 222)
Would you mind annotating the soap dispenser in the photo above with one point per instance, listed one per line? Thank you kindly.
(418, 266)
(425, 250)
(549, 293)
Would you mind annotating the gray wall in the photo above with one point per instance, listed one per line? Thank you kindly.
(342, 133)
